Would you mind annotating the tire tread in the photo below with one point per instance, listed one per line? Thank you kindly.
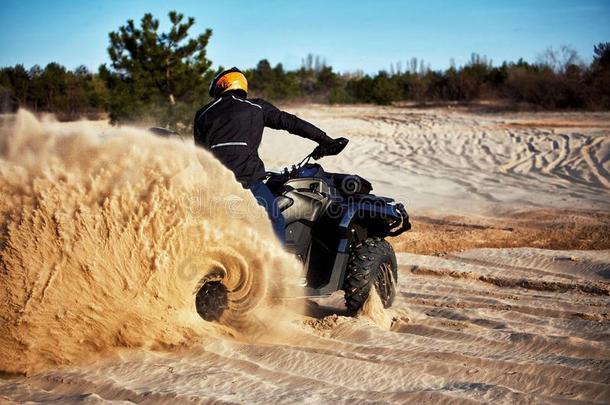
(362, 270)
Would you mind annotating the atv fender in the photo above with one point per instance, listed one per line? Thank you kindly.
(382, 217)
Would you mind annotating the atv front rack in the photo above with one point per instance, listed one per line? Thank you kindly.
(401, 225)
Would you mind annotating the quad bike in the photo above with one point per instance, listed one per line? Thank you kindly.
(337, 228)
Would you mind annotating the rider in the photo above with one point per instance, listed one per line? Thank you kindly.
(231, 127)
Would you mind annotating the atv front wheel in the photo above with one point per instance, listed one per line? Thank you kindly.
(373, 262)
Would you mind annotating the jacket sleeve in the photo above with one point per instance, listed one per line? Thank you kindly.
(277, 119)
(198, 130)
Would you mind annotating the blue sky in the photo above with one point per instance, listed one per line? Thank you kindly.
(350, 35)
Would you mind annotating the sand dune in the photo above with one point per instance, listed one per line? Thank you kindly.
(469, 325)
(454, 162)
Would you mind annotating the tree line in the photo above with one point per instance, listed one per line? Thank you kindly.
(163, 77)
(558, 80)
(52, 89)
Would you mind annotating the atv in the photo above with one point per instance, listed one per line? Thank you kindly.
(337, 228)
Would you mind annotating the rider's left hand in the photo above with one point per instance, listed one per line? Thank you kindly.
(330, 148)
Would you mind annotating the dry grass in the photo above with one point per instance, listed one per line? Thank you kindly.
(547, 229)
(557, 124)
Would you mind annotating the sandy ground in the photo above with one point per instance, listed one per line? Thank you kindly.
(455, 162)
(523, 325)
(485, 311)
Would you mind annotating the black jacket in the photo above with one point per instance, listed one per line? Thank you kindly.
(231, 127)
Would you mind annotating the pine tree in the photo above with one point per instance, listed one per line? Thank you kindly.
(153, 69)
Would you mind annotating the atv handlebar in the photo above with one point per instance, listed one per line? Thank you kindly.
(334, 147)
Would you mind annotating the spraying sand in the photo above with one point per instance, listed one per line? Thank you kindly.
(105, 240)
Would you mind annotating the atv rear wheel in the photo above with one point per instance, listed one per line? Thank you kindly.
(229, 290)
(373, 262)
(211, 300)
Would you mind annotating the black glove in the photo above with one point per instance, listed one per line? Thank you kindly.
(330, 148)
